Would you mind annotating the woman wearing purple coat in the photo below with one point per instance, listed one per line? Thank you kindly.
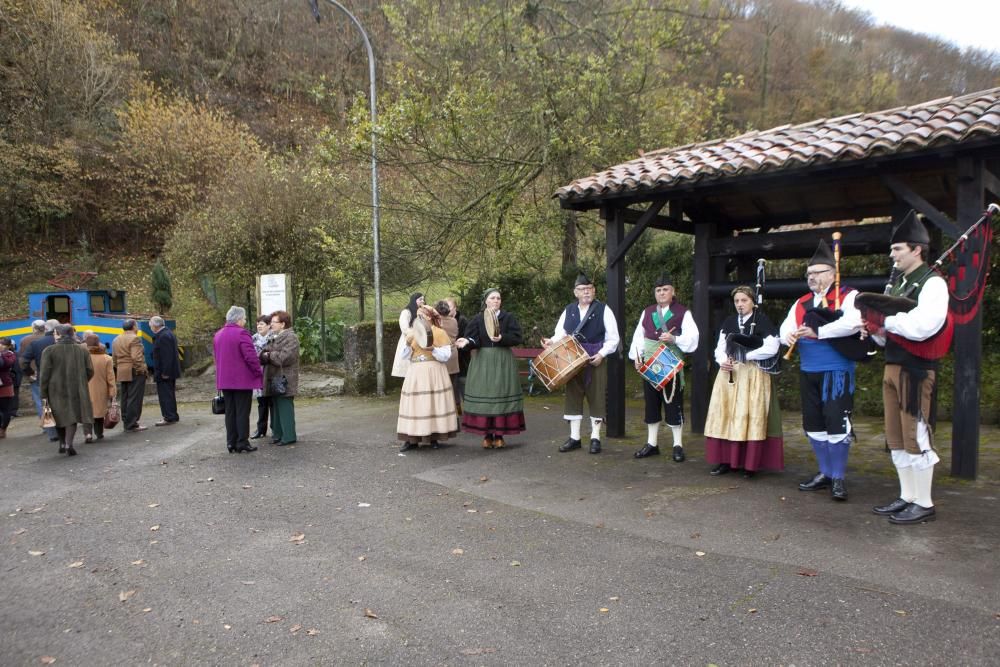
(237, 374)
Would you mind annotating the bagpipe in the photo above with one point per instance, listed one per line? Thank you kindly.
(966, 278)
(853, 347)
(739, 344)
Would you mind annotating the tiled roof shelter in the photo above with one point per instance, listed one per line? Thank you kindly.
(736, 195)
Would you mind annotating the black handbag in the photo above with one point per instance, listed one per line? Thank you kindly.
(218, 405)
(279, 385)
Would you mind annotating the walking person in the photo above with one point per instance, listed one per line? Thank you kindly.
(66, 372)
(131, 372)
(8, 397)
(166, 370)
(102, 386)
(280, 360)
(237, 374)
(43, 335)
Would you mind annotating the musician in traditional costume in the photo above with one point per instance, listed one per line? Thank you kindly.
(493, 401)
(826, 378)
(596, 328)
(743, 429)
(669, 323)
(909, 380)
(426, 402)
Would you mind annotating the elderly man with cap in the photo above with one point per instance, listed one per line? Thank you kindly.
(131, 372)
(595, 326)
(826, 377)
(909, 381)
(665, 322)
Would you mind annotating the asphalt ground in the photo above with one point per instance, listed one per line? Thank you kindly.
(162, 548)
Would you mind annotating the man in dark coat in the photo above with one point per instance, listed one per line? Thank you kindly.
(31, 358)
(166, 369)
(65, 371)
(131, 371)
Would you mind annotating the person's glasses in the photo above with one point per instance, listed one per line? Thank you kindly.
(813, 274)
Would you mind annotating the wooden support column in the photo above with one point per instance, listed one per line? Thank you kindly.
(701, 311)
(614, 225)
(968, 340)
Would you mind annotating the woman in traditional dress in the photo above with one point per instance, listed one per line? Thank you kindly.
(493, 402)
(743, 429)
(406, 318)
(426, 402)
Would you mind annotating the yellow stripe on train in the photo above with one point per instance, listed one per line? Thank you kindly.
(15, 332)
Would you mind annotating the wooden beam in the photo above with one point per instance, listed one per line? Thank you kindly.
(968, 347)
(614, 225)
(921, 205)
(701, 311)
(644, 221)
(857, 239)
(991, 182)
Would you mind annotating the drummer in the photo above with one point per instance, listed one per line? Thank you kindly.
(596, 328)
(670, 323)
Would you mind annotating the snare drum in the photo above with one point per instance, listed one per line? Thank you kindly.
(660, 367)
(558, 364)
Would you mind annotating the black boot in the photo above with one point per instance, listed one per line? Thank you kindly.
(838, 491)
(817, 482)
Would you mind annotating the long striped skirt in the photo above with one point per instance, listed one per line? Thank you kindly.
(426, 404)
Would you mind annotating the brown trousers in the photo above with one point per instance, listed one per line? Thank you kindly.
(900, 426)
(596, 392)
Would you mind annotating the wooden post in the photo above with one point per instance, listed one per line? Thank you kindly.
(968, 349)
(614, 224)
(701, 305)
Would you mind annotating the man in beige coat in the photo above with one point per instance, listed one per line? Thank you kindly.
(130, 367)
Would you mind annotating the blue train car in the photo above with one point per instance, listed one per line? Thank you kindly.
(99, 310)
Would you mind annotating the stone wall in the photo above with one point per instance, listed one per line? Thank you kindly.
(359, 357)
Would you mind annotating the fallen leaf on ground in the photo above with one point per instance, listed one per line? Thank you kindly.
(153, 505)
(274, 619)
(364, 504)
(694, 536)
(614, 598)
(515, 563)
(46, 660)
(370, 614)
(228, 627)
(123, 596)
(806, 572)
(699, 553)
(484, 478)
(20, 531)
(477, 651)
(147, 610)
(312, 632)
(457, 552)
(37, 553)
(139, 562)
(248, 583)
(604, 610)
(295, 628)
(752, 611)
(210, 479)
(247, 486)
(361, 557)
(472, 511)
(75, 564)
(155, 528)
(298, 538)
(466, 503)
(902, 612)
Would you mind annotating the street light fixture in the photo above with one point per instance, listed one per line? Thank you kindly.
(379, 355)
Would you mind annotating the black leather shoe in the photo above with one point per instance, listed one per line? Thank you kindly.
(257, 435)
(720, 469)
(678, 454)
(275, 441)
(913, 513)
(246, 448)
(407, 446)
(647, 450)
(818, 481)
(570, 445)
(435, 444)
(748, 474)
(893, 507)
(595, 446)
(838, 491)
(231, 450)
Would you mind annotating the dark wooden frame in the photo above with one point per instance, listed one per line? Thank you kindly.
(949, 186)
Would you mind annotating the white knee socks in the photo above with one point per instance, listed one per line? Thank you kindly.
(922, 480)
(676, 430)
(906, 484)
(652, 433)
(574, 428)
(595, 428)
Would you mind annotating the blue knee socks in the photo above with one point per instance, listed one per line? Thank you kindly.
(822, 451)
(838, 452)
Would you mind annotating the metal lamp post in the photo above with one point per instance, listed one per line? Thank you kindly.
(379, 356)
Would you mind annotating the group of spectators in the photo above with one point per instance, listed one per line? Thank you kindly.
(264, 365)
(75, 378)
